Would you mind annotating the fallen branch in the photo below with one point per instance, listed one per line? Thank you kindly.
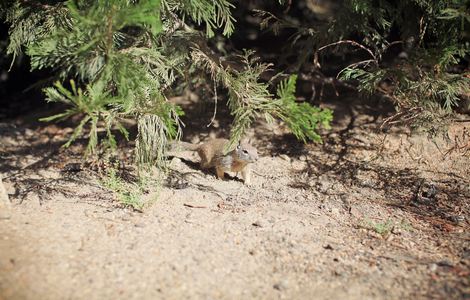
(194, 206)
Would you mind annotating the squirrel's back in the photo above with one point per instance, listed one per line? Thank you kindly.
(212, 154)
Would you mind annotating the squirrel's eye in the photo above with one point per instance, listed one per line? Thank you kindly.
(244, 151)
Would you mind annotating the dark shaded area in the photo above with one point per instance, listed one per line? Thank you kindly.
(20, 94)
(443, 203)
(20, 89)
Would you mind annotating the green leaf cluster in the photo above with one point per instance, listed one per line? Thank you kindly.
(303, 119)
(249, 99)
(432, 37)
(109, 50)
(120, 60)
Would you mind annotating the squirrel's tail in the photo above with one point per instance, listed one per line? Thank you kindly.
(180, 146)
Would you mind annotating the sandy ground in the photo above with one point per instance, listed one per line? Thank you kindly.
(366, 215)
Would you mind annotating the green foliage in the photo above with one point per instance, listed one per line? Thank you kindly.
(129, 193)
(213, 13)
(386, 228)
(93, 103)
(107, 46)
(303, 119)
(126, 193)
(153, 133)
(422, 97)
(126, 57)
(432, 34)
(249, 98)
(122, 60)
(30, 23)
(382, 228)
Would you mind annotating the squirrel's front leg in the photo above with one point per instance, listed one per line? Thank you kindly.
(220, 172)
(246, 174)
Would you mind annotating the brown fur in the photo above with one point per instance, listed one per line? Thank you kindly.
(212, 156)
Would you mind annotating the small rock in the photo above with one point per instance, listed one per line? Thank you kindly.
(281, 285)
(195, 140)
(368, 183)
(334, 211)
(258, 223)
(354, 211)
(375, 235)
(29, 132)
(303, 158)
(322, 185)
(285, 157)
(177, 183)
(445, 263)
(432, 267)
(175, 160)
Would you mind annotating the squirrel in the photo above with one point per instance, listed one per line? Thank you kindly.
(212, 156)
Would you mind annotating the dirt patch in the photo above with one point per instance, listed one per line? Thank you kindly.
(364, 215)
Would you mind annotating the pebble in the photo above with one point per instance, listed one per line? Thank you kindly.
(333, 135)
(445, 263)
(258, 223)
(323, 185)
(195, 140)
(175, 160)
(29, 132)
(368, 183)
(281, 285)
(355, 212)
(375, 235)
(285, 157)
